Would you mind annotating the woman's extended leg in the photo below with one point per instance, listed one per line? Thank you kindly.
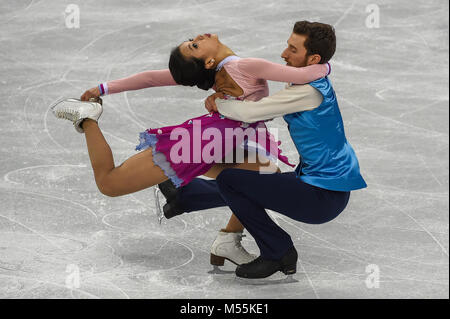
(136, 173)
(139, 171)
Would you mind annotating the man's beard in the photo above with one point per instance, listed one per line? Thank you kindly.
(300, 64)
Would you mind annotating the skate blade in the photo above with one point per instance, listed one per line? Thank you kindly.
(52, 107)
(71, 99)
(275, 279)
(158, 211)
(217, 271)
(96, 100)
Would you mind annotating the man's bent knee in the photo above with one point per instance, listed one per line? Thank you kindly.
(226, 175)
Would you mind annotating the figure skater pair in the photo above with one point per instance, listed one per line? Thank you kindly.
(206, 63)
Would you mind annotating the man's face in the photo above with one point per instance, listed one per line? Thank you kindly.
(295, 53)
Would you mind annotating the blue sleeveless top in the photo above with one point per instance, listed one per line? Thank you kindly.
(327, 160)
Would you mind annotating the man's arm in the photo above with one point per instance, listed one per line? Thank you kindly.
(292, 99)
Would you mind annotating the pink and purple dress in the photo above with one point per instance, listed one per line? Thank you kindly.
(190, 149)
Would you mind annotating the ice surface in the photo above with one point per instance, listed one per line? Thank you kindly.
(392, 84)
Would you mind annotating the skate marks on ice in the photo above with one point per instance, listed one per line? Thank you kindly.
(53, 215)
(103, 241)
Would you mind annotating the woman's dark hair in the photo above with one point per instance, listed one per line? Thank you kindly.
(320, 38)
(190, 71)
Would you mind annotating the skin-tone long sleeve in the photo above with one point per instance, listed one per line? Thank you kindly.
(263, 69)
(292, 99)
(140, 80)
(250, 68)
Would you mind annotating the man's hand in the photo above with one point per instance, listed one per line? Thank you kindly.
(210, 102)
(91, 93)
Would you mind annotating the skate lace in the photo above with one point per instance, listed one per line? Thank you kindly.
(239, 245)
(68, 114)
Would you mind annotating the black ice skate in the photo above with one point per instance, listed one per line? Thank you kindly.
(170, 208)
(263, 268)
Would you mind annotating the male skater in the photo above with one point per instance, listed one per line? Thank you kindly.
(319, 188)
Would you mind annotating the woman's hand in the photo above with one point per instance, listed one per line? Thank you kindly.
(210, 102)
(91, 93)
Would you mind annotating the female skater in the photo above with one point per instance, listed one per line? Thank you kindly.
(206, 63)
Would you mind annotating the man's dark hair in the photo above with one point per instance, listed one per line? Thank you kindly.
(320, 38)
(190, 71)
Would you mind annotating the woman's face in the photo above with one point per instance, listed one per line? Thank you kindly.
(203, 47)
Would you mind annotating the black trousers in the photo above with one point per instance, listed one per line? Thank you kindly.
(249, 193)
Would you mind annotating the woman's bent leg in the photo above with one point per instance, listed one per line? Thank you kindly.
(136, 173)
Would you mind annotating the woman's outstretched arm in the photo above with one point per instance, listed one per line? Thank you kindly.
(137, 81)
(140, 81)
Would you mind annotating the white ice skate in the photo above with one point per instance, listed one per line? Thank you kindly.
(76, 111)
(228, 246)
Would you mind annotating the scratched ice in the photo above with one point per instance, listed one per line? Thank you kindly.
(392, 84)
